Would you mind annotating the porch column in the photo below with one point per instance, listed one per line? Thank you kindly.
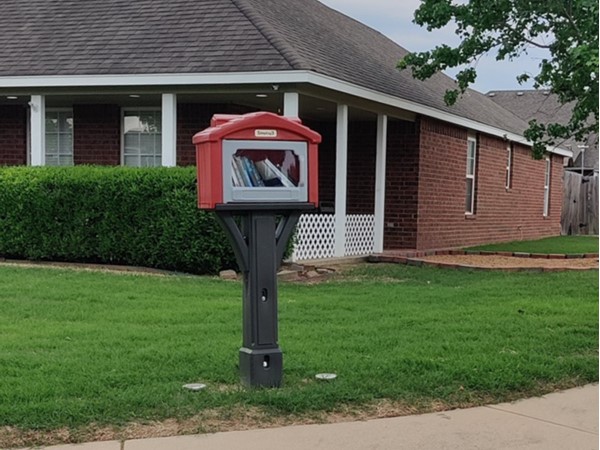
(291, 104)
(341, 172)
(169, 130)
(382, 121)
(37, 131)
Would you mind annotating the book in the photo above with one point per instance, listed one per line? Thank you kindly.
(245, 178)
(235, 174)
(257, 180)
(249, 173)
(272, 171)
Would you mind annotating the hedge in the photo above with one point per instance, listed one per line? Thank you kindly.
(117, 215)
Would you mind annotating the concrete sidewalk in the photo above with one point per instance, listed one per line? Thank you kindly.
(561, 421)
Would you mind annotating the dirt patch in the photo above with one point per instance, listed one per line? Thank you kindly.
(511, 262)
(240, 418)
(115, 269)
(209, 421)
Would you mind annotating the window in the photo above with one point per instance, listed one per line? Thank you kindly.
(59, 137)
(547, 188)
(471, 164)
(142, 138)
(509, 157)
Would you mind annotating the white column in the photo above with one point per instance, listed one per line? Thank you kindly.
(291, 107)
(341, 173)
(37, 123)
(291, 104)
(169, 130)
(380, 182)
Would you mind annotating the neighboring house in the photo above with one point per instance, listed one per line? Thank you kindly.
(112, 82)
(545, 108)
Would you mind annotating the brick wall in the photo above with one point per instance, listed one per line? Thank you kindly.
(362, 155)
(13, 135)
(402, 183)
(402, 175)
(425, 179)
(326, 160)
(191, 118)
(500, 214)
(360, 196)
(97, 134)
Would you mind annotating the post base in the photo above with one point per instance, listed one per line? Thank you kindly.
(261, 368)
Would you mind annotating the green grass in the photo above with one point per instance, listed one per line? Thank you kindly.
(557, 244)
(78, 348)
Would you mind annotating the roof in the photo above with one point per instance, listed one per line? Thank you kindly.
(226, 125)
(545, 108)
(94, 37)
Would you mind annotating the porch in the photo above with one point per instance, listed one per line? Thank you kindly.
(362, 141)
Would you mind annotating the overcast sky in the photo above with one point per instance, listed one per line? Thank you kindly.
(394, 19)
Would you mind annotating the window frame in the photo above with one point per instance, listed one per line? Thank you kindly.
(471, 140)
(509, 164)
(139, 109)
(547, 182)
(58, 154)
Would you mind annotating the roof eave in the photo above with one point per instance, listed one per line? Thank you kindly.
(276, 77)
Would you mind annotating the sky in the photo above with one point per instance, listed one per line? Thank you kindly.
(394, 19)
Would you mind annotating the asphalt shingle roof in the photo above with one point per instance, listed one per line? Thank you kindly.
(81, 37)
(95, 37)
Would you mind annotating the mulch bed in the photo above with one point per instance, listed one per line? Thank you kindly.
(508, 261)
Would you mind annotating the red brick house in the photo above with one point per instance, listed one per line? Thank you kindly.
(111, 82)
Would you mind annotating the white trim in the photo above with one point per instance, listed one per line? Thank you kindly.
(170, 79)
(122, 125)
(547, 183)
(472, 176)
(37, 122)
(278, 77)
(28, 146)
(380, 172)
(169, 130)
(341, 180)
(291, 104)
(59, 110)
(509, 160)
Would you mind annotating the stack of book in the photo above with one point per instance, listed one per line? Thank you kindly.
(249, 173)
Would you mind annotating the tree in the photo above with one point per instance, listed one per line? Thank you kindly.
(568, 29)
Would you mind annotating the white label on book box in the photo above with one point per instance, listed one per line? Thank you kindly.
(265, 133)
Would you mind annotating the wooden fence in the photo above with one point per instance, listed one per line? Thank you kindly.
(580, 204)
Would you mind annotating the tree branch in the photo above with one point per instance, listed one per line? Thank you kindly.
(529, 41)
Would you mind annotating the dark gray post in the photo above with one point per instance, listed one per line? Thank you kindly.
(261, 360)
(259, 247)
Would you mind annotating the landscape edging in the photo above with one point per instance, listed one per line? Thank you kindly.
(413, 259)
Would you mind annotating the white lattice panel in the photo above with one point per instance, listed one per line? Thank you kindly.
(314, 237)
(360, 235)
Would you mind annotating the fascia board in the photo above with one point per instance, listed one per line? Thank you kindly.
(348, 88)
(166, 79)
(271, 77)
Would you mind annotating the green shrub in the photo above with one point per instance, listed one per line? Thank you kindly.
(144, 217)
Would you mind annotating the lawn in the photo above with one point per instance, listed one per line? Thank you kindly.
(80, 348)
(556, 245)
